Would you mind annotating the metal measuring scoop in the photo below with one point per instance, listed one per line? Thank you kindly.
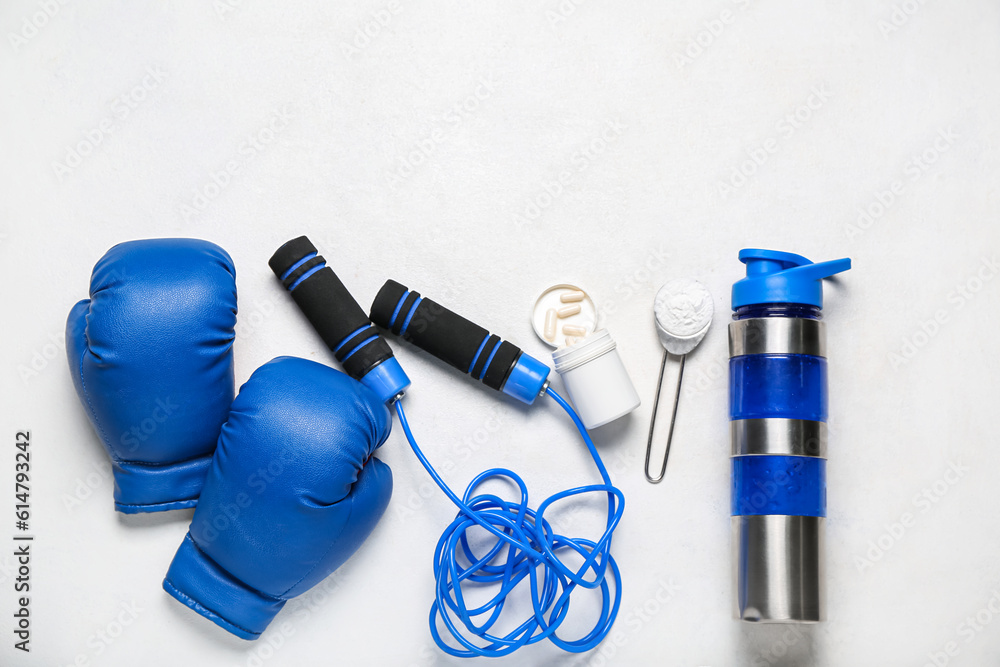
(683, 312)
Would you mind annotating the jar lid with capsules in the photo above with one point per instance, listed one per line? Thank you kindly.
(563, 314)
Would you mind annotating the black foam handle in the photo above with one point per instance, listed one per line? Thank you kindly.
(336, 316)
(445, 334)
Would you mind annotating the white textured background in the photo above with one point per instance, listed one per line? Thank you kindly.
(431, 152)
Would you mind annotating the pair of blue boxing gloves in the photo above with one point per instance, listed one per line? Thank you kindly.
(284, 479)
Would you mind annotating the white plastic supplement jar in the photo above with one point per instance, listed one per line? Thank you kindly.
(596, 379)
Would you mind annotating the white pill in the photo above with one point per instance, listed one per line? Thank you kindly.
(550, 324)
(568, 311)
(572, 340)
(571, 297)
(573, 330)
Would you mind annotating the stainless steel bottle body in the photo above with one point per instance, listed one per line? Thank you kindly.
(778, 412)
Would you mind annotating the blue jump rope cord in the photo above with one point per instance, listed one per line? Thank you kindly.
(531, 551)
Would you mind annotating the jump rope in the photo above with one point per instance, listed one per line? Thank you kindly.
(527, 552)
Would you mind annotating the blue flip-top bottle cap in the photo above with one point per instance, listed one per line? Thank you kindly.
(783, 277)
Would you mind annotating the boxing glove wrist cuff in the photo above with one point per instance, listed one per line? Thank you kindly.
(200, 583)
(144, 487)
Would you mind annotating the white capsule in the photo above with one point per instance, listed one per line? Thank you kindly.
(572, 297)
(550, 324)
(572, 340)
(573, 330)
(568, 311)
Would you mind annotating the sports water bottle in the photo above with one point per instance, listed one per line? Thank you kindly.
(778, 412)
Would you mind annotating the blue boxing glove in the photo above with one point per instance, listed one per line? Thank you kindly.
(151, 355)
(293, 491)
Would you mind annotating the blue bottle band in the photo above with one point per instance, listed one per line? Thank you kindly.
(790, 485)
(792, 386)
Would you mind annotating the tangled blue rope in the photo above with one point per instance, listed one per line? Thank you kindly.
(526, 551)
